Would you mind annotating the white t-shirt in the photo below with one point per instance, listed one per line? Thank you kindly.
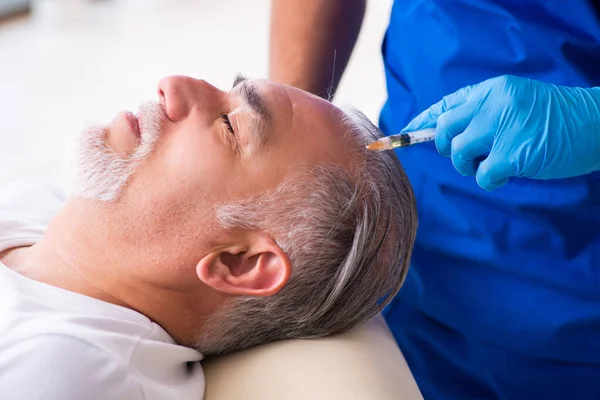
(56, 344)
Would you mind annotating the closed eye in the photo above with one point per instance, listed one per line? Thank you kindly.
(227, 122)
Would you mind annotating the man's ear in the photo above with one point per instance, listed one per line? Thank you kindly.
(258, 268)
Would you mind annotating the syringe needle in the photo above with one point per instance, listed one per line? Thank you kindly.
(376, 146)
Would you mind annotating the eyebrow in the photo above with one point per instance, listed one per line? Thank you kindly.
(249, 92)
(251, 95)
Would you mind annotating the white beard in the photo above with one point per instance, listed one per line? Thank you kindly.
(98, 173)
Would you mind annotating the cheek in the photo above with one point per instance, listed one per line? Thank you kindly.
(191, 163)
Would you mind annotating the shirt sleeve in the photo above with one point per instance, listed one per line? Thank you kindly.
(58, 367)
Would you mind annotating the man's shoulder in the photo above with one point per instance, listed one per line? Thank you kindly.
(65, 367)
(26, 208)
(70, 366)
(103, 346)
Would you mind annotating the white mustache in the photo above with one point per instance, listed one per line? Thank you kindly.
(101, 174)
(150, 119)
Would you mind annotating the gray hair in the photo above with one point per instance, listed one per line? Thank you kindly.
(349, 237)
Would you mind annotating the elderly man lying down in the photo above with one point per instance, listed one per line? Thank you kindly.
(210, 222)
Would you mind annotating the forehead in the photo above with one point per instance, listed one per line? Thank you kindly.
(313, 124)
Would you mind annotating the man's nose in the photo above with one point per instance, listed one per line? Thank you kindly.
(180, 95)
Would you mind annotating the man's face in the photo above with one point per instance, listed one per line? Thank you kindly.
(200, 147)
(231, 145)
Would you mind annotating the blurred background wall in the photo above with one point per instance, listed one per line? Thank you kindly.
(70, 63)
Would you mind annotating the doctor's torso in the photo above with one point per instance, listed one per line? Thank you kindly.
(518, 267)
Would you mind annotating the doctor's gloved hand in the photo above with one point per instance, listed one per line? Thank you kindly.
(516, 127)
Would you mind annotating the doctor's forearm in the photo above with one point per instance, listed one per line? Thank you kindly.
(307, 36)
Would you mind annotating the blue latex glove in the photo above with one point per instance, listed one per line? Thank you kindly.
(510, 126)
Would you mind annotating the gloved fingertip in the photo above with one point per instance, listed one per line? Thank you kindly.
(443, 145)
(489, 185)
(494, 172)
(464, 167)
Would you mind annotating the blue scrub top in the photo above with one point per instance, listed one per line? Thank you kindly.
(503, 297)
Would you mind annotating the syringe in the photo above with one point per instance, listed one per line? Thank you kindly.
(402, 140)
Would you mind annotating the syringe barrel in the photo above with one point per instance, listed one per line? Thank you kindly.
(425, 135)
(410, 138)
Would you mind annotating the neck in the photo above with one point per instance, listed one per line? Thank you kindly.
(82, 252)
